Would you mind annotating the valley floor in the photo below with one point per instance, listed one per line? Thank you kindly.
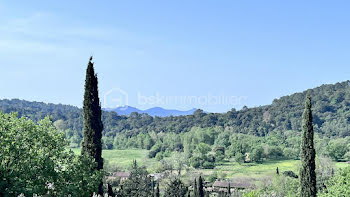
(123, 159)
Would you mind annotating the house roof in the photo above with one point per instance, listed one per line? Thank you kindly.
(157, 176)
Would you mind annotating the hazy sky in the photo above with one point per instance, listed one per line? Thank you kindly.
(207, 54)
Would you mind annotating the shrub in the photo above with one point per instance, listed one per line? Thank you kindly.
(290, 174)
(239, 158)
(208, 165)
(159, 156)
(338, 185)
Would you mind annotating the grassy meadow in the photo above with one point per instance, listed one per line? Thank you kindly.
(253, 170)
(124, 158)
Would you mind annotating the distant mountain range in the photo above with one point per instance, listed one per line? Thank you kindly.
(330, 108)
(155, 111)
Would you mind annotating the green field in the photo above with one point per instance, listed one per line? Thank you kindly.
(123, 159)
(253, 170)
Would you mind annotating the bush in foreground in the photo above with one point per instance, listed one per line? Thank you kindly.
(338, 185)
(34, 161)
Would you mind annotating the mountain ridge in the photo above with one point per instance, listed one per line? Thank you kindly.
(154, 111)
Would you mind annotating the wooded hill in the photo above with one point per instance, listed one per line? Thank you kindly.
(331, 110)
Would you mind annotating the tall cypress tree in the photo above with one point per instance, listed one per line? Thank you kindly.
(195, 188)
(200, 187)
(93, 127)
(307, 155)
(229, 189)
(157, 191)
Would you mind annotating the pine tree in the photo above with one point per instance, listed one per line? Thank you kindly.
(92, 120)
(307, 155)
(200, 187)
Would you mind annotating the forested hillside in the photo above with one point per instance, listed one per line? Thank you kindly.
(331, 104)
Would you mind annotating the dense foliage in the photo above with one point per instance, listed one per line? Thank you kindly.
(34, 161)
(338, 185)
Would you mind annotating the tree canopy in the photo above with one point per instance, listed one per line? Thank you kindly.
(34, 161)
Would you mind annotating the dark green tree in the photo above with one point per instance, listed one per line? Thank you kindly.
(200, 187)
(138, 184)
(257, 154)
(110, 191)
(195, 188)
(92, 130)
(175, 188)
(307, 155)
(229, 189)
(239, 158)
(157, 194)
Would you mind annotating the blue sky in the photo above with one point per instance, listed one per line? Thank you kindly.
(252, 51)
